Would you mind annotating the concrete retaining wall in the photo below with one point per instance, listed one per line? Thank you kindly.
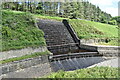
(17, 65)
(91, 41)
(21, 52)
(71, 31)
(104, 50)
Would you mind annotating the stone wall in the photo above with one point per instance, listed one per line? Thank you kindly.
(17, 65)
(104, 50)
(21, 52)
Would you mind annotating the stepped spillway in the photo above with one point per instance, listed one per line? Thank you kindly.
(58, 38)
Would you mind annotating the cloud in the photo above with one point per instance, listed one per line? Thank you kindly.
(112, 11)
(109, 6)
(102, 2)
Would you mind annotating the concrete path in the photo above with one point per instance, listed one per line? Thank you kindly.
(32, 72)
(109, 63)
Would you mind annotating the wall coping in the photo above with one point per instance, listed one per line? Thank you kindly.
(101, 45)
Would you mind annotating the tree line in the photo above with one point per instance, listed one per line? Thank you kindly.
(73, 10)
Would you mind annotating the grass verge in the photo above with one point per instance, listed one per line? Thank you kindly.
(49, 17)
(95, 72)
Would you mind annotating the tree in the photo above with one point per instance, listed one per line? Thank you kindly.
(112, 22)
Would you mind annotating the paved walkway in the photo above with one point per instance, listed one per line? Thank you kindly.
(32, 72)
(109, 63)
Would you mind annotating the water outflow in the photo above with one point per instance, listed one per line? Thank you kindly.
(75, 63)
(58, 38)
(69, 62)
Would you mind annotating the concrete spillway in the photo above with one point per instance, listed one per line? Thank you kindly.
(58, 38)
(75, 63)
(61, 39)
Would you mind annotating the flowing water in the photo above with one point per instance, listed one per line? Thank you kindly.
(75, 63)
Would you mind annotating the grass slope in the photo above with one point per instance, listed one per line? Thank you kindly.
(19, 31)
(89, 29)
(95, 72)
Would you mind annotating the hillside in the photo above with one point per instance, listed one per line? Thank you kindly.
(83, 9)
(19, 31)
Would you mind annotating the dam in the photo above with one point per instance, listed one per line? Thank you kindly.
(62, 41)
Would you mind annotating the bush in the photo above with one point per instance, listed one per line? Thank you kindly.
(113, 22)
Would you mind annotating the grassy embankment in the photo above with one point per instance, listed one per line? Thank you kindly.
(95, 72)
(91, 30)
(19, 31)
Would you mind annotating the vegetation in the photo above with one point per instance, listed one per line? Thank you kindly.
(82, 10)
(24, 57)
(117, 18)
(95, 72)
(19, 31)
(49, 17)
(90, 29)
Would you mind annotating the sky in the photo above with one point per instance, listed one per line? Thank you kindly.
(109, 6)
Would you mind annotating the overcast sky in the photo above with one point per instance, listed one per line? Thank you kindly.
(109, 6)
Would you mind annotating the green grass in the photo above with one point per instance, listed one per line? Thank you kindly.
(19, 31)
(95, 72)
(24, 57)
(90, 29)
(49, 17)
